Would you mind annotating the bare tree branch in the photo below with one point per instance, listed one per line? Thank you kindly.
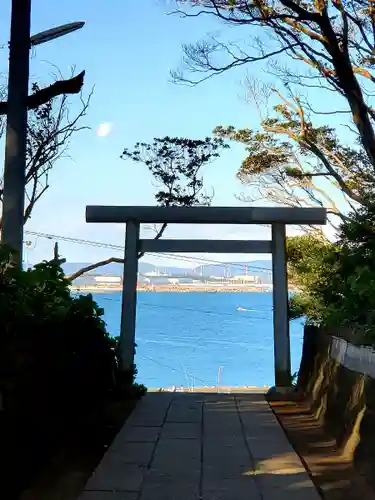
(62, 87)
(332, 39)
(291, 172)
(116, 260)
(50, 128)
(91, 267)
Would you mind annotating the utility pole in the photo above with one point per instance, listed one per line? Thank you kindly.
(56, 252)
(218, 378)
(16, 131)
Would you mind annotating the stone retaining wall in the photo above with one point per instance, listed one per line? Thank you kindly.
(360, 359)
(339, 380)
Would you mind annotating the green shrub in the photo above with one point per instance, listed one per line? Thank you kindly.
(337, 280)
(58, 368)
(310, 268)
(352, 284)
(56, 356)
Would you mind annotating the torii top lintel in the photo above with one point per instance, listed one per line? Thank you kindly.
(206, 215)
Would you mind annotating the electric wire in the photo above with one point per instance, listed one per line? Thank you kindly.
(111, 246)
(171, 368)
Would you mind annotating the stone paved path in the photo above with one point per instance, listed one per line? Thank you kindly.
(191, 446)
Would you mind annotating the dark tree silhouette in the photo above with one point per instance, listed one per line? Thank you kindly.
(43, 96)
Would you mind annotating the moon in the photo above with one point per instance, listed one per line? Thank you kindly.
(104, 129)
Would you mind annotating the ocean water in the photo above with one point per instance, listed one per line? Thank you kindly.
(186, 339)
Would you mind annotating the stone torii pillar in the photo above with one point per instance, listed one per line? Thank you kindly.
(129, 296)
(281, 333)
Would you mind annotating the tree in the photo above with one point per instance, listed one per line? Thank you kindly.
(292, 162)
(50, 127)
(337, 280)
(310, 268)
(175, 164)
(351, 287)
(329, 45)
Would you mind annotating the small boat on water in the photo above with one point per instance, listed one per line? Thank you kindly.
(239, 308)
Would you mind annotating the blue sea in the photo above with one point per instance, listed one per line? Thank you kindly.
(187, 339)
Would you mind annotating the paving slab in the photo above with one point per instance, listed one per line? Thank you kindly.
(182, 430)
(240, 488)
(174, 490)
(108, 495)
(116, 476)
(131, 434)
(151, 411)
(221, 421)
(132, 453)
(185, 410)
(181, 458)
(186, 446)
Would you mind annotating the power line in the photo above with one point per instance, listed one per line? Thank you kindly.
(171, 368)
(76, 240)
(210, 261)
(111, 246)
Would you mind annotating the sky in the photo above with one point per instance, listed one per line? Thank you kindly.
(127, 51)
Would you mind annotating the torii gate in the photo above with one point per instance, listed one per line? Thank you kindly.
(278, 217)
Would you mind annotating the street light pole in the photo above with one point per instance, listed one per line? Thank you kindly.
(16, 131)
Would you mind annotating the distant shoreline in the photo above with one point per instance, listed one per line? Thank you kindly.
(177, 289)
(215, 388)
